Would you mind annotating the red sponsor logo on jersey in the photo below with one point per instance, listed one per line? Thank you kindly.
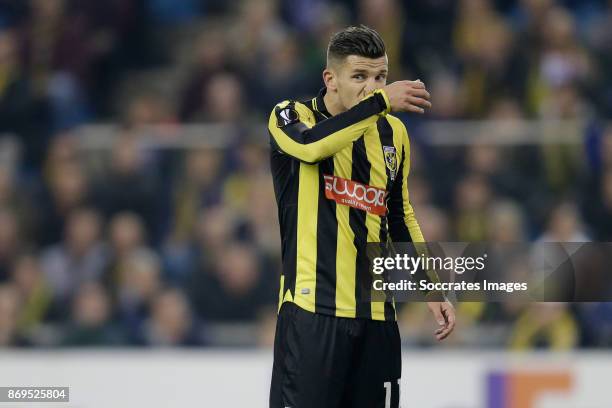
(356, 195)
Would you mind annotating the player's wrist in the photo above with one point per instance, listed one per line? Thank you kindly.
(435, 296)
(383, 100)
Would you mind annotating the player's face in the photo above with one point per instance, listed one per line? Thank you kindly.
(359, 76)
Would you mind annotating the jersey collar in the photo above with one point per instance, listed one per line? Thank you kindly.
(319, 105)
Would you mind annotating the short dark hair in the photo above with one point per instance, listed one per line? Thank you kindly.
(356, 40)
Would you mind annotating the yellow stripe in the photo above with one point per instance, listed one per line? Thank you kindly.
(306, 115)
(306, 266)
(378, 178)
(346, 253)
(280, 292)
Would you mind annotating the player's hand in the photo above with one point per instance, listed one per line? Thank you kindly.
(408, 96)
(444, 313)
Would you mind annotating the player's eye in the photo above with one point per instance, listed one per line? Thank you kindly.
(381, 77)
(359, 77)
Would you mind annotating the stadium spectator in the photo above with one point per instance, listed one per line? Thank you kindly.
(80, 257)
(545, 325)
(436, 225)
(600, 208)
(10, 241)
(235, 289)
(91, 324)
(171, 322)
(211, 51)
(139, 281)
(126, 235)
(17, 200)
(596, 324)
(564, 225)
(507, 223)
(199, 186)
(490, 60)
(66, 189)
(9, 315)
(37, 302)
(222, 100)
(23, 110)
(128, 185)
(473, 196)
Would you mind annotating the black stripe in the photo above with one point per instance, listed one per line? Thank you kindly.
(319, 110)
(397, 224)
(321, 103)
(327, 236)
(389, 311)
(289, 248)
(385, 132)
(273, 145)
(357, 220)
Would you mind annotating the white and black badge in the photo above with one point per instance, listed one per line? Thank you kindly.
(287, 116)
(390, 160)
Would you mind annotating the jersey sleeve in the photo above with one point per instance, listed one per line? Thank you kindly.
(292, 135)
(403, 225)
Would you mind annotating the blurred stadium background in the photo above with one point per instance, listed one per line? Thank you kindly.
(136, 205)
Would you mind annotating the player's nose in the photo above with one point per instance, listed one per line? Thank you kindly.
(371, 86)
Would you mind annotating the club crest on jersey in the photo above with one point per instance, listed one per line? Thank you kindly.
(390, 160)
(287, 116)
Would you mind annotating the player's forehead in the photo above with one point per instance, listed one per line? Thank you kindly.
(355, 63)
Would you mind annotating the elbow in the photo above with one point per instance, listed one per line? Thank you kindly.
(305, 155)
(310, 154)
(298, 148)
(311, 158)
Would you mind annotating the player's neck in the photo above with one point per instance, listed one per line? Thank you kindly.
(332, 104)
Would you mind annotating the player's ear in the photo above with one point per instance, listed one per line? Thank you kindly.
(329, 78)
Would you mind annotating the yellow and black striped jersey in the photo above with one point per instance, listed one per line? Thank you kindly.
(340, 182)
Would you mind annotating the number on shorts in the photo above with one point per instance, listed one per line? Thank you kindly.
(389, 391)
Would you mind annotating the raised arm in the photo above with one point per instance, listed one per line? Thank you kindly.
(291, 134)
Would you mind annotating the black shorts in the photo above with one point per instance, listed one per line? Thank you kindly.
(323, 361)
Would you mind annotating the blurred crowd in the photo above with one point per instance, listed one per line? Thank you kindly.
(137, 244)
